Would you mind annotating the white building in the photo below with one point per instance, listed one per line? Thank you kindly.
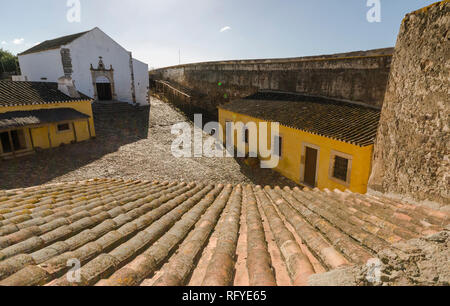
(99, 67)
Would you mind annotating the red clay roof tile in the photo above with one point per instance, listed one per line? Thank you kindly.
(153, 233)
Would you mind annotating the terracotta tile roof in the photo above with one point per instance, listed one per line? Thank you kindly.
(340, 120)
(53, 43)
(28, 93)
(36, 117)
(152, 233)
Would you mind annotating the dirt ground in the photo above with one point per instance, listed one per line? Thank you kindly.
(131, 145)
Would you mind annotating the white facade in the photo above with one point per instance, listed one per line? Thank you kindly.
(83, 53)
(42, 67)
(141, 81)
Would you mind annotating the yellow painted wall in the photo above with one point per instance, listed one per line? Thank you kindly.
(40, 137)
(290, 163)
(41, 134)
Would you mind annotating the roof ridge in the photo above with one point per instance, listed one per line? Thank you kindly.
(54, 43)
(325, 98)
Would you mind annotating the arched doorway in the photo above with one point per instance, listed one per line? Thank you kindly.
(103, 82)
(104, 88)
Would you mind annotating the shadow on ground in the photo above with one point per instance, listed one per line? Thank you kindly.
(263, 177)
(133, 145)
(248, 168)
(113, 129)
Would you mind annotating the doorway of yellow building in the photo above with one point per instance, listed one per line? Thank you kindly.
(12, 141)
(6, 145)
(310, 166)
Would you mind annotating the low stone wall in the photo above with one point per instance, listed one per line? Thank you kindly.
(412, 147)
(357, 76)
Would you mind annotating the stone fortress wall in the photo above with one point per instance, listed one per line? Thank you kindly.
(357, 76)
(413, 142)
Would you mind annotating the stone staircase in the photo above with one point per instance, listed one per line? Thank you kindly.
(112, 117)
(112, 107)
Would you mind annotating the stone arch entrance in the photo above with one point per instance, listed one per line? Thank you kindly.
(103, 87)
(103, 82)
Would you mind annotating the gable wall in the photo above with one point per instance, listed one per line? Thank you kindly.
(46, 64)
(87, 49)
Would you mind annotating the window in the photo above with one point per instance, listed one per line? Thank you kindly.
(340, 168)
(278, 146)
(13, 141)
(246, 136)
(63, 127)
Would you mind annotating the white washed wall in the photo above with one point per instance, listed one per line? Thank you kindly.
(47, 64)
(87, 49)
(141, 81)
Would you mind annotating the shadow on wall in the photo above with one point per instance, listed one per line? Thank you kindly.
(113, 131)
(341, 76)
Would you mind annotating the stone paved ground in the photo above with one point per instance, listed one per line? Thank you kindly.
(130, 146)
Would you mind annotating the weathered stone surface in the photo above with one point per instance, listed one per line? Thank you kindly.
(66, 61)
(412, 148)
(357, 76)
(417, 262)
(338, 277)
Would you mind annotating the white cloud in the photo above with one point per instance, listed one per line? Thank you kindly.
(224, 29)
(4, 42)
(18, 41)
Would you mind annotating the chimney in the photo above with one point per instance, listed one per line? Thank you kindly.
(66, 86)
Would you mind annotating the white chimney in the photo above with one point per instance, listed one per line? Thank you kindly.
(66, 86)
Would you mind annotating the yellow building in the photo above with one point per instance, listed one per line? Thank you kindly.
(38, 115)
(323, 143)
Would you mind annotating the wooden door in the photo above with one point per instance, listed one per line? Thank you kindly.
(104, 91)
(310, 166)
(5, 143)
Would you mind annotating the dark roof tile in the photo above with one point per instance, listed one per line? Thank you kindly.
(36, 117)
(28, 93)
(53, 43)
(340, 120)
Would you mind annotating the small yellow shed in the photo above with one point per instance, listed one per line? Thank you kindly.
(39, 115)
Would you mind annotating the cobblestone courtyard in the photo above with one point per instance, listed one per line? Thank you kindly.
(130, 145)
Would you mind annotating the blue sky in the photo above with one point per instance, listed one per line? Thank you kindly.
(155, 30)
